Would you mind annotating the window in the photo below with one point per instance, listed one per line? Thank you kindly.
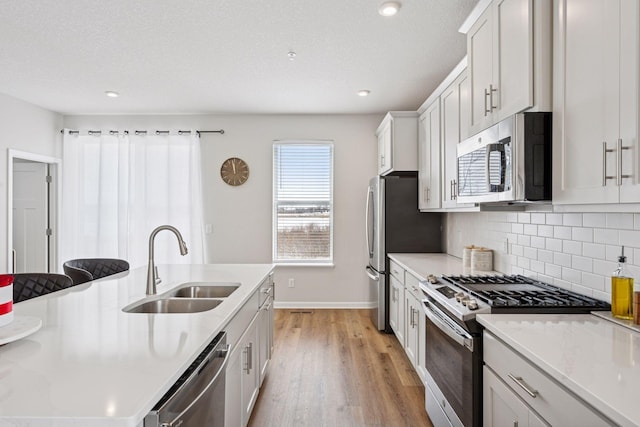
(303, 202)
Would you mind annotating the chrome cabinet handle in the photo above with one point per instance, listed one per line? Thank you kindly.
(606, 150)
(248, 351)
(382, 161)
(491, 91)
(455, 189)
(524, 386)
(621, 148)
(486, 111)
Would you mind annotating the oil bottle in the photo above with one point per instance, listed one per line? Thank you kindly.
(621, 291)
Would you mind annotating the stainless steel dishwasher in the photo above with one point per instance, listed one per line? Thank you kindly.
(197, 398)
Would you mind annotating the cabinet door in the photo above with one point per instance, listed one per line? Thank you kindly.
(513, 56)
(629, 93)
(429, 158)
(411, 338)
(396, 309)
(450, 109)
(265, 340)
(586, 101)
(480, 57)
(384, 148)
(250, 376)
(501, 406)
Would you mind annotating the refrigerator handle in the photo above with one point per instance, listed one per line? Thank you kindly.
(366, 220)
(372, 274)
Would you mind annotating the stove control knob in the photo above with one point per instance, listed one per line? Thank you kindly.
(464, 301)
(459, 296)
(472, 304)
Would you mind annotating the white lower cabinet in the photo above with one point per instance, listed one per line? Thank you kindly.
(250, 338)
(396, 308)
(518, 393)
(242, 378)
(502, 407)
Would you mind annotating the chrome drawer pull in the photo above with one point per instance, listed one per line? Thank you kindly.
(524, 386)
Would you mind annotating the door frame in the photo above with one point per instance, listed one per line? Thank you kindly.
(55, 171)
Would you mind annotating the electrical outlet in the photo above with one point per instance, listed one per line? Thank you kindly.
(292, 283)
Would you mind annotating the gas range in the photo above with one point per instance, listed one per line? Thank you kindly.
(465, 296)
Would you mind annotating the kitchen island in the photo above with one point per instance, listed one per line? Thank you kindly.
(91, 364)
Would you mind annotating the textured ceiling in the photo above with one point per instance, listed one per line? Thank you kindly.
(227, 56)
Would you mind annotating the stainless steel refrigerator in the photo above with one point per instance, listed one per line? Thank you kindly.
(395, 225)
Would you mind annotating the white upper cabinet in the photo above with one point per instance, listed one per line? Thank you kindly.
(509, 53)
(398, 142)
(595, 106)
(429, 158)
(454, 112)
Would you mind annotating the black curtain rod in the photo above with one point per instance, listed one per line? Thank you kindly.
(142, 132)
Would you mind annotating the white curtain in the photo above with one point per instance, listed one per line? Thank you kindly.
(118, 187)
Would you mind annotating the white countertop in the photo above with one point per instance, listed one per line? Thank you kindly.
(596, 359)
(92, 364)
(423, 264)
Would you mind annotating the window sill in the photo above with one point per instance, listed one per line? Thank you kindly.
(304, 264)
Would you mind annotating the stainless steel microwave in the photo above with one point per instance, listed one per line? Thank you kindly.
(510, 162)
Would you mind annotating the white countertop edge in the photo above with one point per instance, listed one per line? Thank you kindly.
(580, 392)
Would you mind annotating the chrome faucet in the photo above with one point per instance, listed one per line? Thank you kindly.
(152, 271)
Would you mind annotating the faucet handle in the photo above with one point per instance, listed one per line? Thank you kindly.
(155, 270)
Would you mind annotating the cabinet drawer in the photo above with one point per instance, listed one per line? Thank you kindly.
(237, 326)
(412, 284)
(396, 271)
(557, 405)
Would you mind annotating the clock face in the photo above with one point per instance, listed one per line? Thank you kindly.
(234, 171)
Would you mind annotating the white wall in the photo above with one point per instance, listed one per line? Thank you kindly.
(576, 251)
(241, 216)
(27, 128)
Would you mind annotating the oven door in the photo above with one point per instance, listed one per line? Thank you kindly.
(453, 361)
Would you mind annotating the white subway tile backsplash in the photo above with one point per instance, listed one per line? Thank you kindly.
(545, 230)
(572, 220)
(545, 256)
(524, 217)
(553, 270)
(593, 281)
(594, 220)
(538, 218)
(582, 234)
(572, 247)
(576, 251)
(554, 219)
(554, 245)
(531, 253)
(620, 221)
(571, 275)
(538, 242)
(606, 236)
(562, 259)
(630, 238)
(593, 250)
(582, 263)
(560, 232)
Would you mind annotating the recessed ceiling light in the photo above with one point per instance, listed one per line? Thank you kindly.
(292, 55)
(111, 94)
(364, 92)
(389, 8)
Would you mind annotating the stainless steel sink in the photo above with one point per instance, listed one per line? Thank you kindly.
(204, 290)
(173, 305)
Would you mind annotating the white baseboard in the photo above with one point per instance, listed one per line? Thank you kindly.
(301, 304)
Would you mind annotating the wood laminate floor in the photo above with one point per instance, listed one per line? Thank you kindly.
(333, 368)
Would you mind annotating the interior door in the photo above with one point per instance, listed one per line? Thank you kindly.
(30, 217)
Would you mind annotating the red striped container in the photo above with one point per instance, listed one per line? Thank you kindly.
(6, 299)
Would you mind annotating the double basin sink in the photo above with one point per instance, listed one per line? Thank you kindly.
(191, 297)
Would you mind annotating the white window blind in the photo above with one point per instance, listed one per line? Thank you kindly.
(303, 202)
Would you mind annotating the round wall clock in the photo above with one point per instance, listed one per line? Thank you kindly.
(234, 171)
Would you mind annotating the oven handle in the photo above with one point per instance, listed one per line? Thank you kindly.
(440, 320)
